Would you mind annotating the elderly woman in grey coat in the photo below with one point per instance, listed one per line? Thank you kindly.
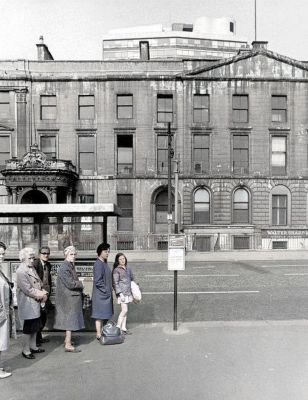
(69, 315)
(29, 296)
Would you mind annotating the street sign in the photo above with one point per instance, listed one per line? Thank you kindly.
(176, 252)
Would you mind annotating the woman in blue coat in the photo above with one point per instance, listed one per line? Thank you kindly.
(102, 302)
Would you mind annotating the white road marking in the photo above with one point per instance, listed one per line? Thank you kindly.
(220, 292)
(191, 275)
(283, 265)
(297, 274)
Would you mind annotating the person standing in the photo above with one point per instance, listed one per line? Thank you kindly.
(122, 277)
(29, 296)
(43, 269)
(6, 313)
(102, 302)
(69, 316)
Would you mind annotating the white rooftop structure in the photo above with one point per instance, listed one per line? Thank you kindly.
(206, 38)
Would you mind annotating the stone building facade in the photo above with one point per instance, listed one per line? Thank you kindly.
(96, 131)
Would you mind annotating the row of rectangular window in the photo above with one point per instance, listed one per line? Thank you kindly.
(201, 213)
(124, 109)
(201, 108)
(125, 156)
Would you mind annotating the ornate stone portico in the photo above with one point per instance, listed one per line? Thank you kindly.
(55, 179)
(34, 179)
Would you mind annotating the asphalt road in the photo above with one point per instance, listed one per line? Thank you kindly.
(223, 291)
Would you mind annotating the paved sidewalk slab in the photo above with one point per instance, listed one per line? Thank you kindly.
(244, 360)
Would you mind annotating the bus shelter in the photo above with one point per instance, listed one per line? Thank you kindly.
(55, 225)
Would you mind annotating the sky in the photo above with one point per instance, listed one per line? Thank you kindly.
(73, 29)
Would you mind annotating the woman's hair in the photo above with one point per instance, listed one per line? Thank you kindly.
(3, 245)
(68, 249)
(101, 247)
(116, 260)
(25, 252)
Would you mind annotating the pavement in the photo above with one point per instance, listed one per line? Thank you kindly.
(234, 360)
(222, 255)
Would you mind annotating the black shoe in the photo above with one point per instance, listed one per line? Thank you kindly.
(43, 340)
(28, 356)
(37, 351)
(38, 344)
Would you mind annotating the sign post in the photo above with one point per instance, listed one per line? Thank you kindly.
(176, 262)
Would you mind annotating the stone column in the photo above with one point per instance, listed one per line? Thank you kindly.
(21, 122)
(16, 229)
(67, 239)
(53, 241)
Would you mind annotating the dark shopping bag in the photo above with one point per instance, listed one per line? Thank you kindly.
(111, 334)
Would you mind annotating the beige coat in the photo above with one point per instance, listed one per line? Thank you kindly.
(28, 292)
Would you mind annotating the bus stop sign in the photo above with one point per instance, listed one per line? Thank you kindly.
(176, 252)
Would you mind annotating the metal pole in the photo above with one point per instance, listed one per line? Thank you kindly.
(175, 301)
(176, 189)
(170, 155)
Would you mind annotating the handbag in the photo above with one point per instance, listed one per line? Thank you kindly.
(111, 334)
(86, 302)
(136, 293)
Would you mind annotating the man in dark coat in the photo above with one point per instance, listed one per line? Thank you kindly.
(102, 301)
(43, 269)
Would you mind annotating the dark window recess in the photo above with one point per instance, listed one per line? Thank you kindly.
(125, 221)
(202, 243)
(241, 242)
(162, 245)
(276, 245)
(125, 245)
(125, 154)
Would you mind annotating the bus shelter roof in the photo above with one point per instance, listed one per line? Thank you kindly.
(63, 209)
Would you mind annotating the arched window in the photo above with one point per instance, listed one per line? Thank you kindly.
(161, 207)
(280, 206)
(240, 206)
(201, 207)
